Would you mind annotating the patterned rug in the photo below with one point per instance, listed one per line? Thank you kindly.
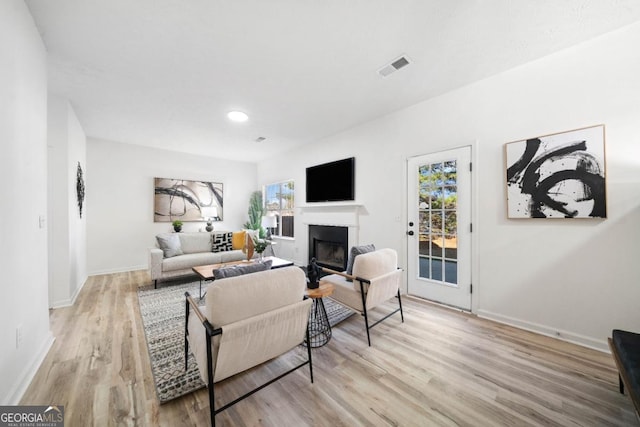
(162, 313)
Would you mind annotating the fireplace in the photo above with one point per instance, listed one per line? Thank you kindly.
(329, 245)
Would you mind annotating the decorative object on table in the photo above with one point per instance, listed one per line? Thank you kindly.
(256, 211)
(162, 312)
(177, 225)
(248, 247)
(260, 245)
(210, 213)
(557, 176)
(80, 188)
(269, 222)
(184, 199)
(313, 274)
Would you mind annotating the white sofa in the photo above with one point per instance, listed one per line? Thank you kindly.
(194, 249)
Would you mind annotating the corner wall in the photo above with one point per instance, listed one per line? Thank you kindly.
(575, 279)
(120, 195)
(23, 172)
(67, 230)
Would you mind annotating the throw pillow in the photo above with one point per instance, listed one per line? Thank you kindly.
(170, 244)
(239, 270)
(222, 242)
(355, 251)
(238, 239)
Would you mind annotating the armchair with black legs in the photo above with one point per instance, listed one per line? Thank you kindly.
(375, 279)
(247, 320)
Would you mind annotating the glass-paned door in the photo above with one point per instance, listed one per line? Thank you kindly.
(439, 235)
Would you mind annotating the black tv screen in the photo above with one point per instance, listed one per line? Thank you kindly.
(331, 182)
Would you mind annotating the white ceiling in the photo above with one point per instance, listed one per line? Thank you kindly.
(164, 73)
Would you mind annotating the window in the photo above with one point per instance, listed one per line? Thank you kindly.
(278, 201)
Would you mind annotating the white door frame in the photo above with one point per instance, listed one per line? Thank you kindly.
(465, 299)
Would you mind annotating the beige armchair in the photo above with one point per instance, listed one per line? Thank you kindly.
(247, 320)
(375, 279)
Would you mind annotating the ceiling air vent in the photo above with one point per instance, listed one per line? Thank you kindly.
(398, 63)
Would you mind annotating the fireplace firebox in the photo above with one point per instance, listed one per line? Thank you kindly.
(329, 245)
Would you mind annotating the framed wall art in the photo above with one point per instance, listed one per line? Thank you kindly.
(185, 200)
(557, 176)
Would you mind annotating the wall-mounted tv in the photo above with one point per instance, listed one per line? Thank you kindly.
(332, 182)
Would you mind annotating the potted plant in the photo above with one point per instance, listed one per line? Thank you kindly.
(177, 225)
(256, 212)
(259, 245)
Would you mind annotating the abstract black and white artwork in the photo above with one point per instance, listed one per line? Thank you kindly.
(184, 200)
(557, 176)
(80, 189)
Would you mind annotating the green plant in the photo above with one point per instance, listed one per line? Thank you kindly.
(177, 223)
(256, 211)
(259, 245)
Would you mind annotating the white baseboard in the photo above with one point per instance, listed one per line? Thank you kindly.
(118, 270)
(68, 302)
(585, 341)
(16, 393)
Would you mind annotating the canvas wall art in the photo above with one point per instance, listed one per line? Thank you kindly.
(557, 176)
(185, 200)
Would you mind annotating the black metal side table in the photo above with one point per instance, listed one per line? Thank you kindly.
(319, 327)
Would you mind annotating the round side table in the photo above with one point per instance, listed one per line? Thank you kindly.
(319, 327)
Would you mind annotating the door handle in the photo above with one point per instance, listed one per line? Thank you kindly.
(410, 233)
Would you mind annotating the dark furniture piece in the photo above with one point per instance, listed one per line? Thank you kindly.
(625, 348)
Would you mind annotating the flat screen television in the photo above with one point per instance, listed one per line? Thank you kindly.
(332, 182)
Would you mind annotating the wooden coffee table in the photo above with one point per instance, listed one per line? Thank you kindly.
(205, 272)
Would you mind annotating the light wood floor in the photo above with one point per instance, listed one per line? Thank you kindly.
(440, 368)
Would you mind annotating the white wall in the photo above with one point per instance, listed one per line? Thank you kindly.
(23, 198)
(67, 230)
(120, 190)
(577, 278)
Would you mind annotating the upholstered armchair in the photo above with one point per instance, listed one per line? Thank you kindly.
(374, 280)
(246, 321)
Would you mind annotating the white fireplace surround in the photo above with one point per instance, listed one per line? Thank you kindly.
(340, 215)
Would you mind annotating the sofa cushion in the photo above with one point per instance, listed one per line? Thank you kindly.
(195, 242)
(238, 239)
(375, 264)
(222, 242)
(170, 244)
(187, 261)
(354, 252)
(240, 269)
(271, 290)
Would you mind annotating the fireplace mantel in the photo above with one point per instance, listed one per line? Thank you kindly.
(341, 214)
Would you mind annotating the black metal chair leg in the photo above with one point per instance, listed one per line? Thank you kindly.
(366, 325)
(186, 332)
(309, 353)
(400, 302)
(621, 384)
(212, 408)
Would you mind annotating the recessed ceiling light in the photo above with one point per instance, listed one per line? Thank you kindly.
(237, 116)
